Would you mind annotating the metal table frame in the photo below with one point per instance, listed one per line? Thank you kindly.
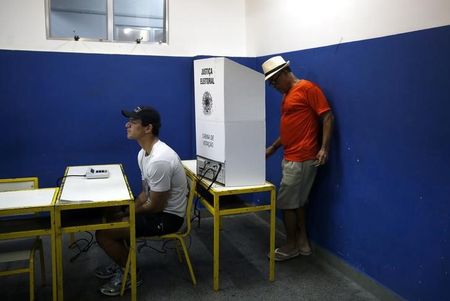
(88, 201)
(217, 212)
(31, 227)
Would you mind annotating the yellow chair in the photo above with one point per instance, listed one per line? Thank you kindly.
(19, 184)
(14, 251)
(178, 236)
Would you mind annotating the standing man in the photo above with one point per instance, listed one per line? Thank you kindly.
(304, 110)
(160, 207)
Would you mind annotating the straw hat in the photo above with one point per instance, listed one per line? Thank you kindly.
(273, 65)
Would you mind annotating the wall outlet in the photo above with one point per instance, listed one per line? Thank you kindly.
(97, 173)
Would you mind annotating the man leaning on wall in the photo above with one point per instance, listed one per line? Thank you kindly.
(304, 110)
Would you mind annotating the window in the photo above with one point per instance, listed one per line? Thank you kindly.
(108, 20)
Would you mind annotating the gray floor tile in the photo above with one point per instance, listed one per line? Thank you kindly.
(244, 271)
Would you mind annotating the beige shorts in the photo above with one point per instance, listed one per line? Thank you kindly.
(296, 183)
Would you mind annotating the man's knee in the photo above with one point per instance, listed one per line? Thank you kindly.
(111, 235)
(102, 237)
(99, 236)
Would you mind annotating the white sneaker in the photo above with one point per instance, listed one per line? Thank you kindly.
(112, 288)
(106, 272)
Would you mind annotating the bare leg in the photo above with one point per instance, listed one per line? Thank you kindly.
(290, 225)
(302, 238)
(112, 242)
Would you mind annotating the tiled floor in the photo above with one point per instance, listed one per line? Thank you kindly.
(243, 276)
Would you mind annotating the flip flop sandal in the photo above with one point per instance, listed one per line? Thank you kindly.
(282, 256)
(305, 253)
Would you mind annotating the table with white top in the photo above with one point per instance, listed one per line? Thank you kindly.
(217, 209)
(76, 209)
(29, 213)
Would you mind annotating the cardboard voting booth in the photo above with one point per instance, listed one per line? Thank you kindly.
(229, 122)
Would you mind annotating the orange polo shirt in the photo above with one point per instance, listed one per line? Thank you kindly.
(299, 129)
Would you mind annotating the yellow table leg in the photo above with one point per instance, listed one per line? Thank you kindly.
(133, 251)
(53, 255)
(31, 267)
(272, 235)
(58, 247)
(216, 249)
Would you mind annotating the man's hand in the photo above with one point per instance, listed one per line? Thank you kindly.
(327, 119)
(322, 157)
(117, 215)
(273, 148)
(270, 151)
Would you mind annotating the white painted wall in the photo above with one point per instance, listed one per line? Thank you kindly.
(289, 25)
(196, 27)
(239, 27)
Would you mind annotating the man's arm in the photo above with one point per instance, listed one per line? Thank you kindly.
(155, 202)
(142, 197)
(144, 203)
(272, 148)
(327, 119)
(140, 201)
(151, 201)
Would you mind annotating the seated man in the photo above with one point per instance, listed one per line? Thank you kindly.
(160, 207)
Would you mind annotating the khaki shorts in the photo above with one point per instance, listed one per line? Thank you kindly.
(298, 178)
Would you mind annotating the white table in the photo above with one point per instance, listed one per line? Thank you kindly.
(30, 203)
(77, 194)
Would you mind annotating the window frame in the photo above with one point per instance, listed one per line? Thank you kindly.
(109, 26)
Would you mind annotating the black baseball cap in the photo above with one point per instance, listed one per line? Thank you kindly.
(148, 115)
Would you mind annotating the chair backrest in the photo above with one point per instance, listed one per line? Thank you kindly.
(19, 184)
(190, 201)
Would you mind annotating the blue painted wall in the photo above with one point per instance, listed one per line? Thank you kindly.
(64, 109)
(381, 203)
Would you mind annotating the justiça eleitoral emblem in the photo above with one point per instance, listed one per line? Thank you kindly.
(207, 102)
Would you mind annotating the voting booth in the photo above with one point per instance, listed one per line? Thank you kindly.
(229, 122)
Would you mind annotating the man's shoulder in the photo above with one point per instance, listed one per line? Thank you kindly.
(306, 84)
(162, 150)
(305, 87)
(164, 155)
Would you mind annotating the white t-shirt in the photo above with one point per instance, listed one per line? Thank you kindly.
(161, 171)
